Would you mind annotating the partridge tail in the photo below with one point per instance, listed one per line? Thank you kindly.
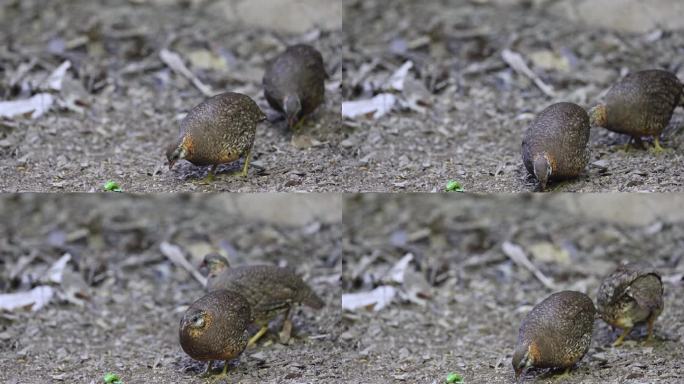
(648, 292)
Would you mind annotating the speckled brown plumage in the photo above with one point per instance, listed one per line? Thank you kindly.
(631, 295)
(641, 104)
(219, 130)
(556, 333)
(270, 290)
(215, 326)
(298, 73)
(555, 144)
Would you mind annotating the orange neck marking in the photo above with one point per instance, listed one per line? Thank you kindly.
(187, 144)
(535, 353)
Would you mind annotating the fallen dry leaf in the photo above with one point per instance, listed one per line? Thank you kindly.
(378, 105)
(36, 298)
(378, 298)
(38, 104)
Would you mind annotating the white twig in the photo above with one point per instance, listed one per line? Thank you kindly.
(515, 61)
(175, 254)
(174, 61)
(516, 253)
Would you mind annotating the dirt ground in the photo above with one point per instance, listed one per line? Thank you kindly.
(118, 306)
(462, 112)
(460, 117)
(462, 299)
(120, 105)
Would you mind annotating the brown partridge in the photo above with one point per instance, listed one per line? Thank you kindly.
(631, 295)
(641, 104)
(556, 333)
(270, 290)
(555, 144)
(294, 83)
(215, 327)
(219, 130)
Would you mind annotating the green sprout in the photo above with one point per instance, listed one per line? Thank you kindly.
(454, 377)
(112, 186)
(112, 378)
(454, 186)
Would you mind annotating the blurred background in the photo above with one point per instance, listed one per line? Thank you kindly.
(91, 284)
(435, 284)
(95, 90)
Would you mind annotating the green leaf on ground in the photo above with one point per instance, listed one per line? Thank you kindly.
(454, 186)
(112, 186)
(112, 378)
(454, 377)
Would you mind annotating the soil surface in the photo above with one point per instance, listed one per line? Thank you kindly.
(119, 303)
(461, 300)
(120, 105)
(462, 111)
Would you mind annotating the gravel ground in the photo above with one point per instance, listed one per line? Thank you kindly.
(462, 111)
(462, 299)
(120, 300)
(120, 104)
(460, 115)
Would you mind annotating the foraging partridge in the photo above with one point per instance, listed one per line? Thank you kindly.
(294, 83)
(219, 130)
(555, 144)
(215, 327)
(631, 295)
(556, 333)
(641, 104)
(270, 290)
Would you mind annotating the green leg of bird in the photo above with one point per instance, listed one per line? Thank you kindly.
(210, 176)
(223, 374)
(257, 336)
(245, 167)
(286, 330)
(651, 322)
(621, 339)
(564, 375)
(657, 149)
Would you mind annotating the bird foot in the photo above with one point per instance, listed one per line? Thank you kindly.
(220, 376)
(562, 376)
(558, 186)
(649, 341)
(656, 149)
(207, 180)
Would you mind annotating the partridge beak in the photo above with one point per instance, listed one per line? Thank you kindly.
(171, 163)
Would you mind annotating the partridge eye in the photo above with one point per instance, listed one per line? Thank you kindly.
(198, 321)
